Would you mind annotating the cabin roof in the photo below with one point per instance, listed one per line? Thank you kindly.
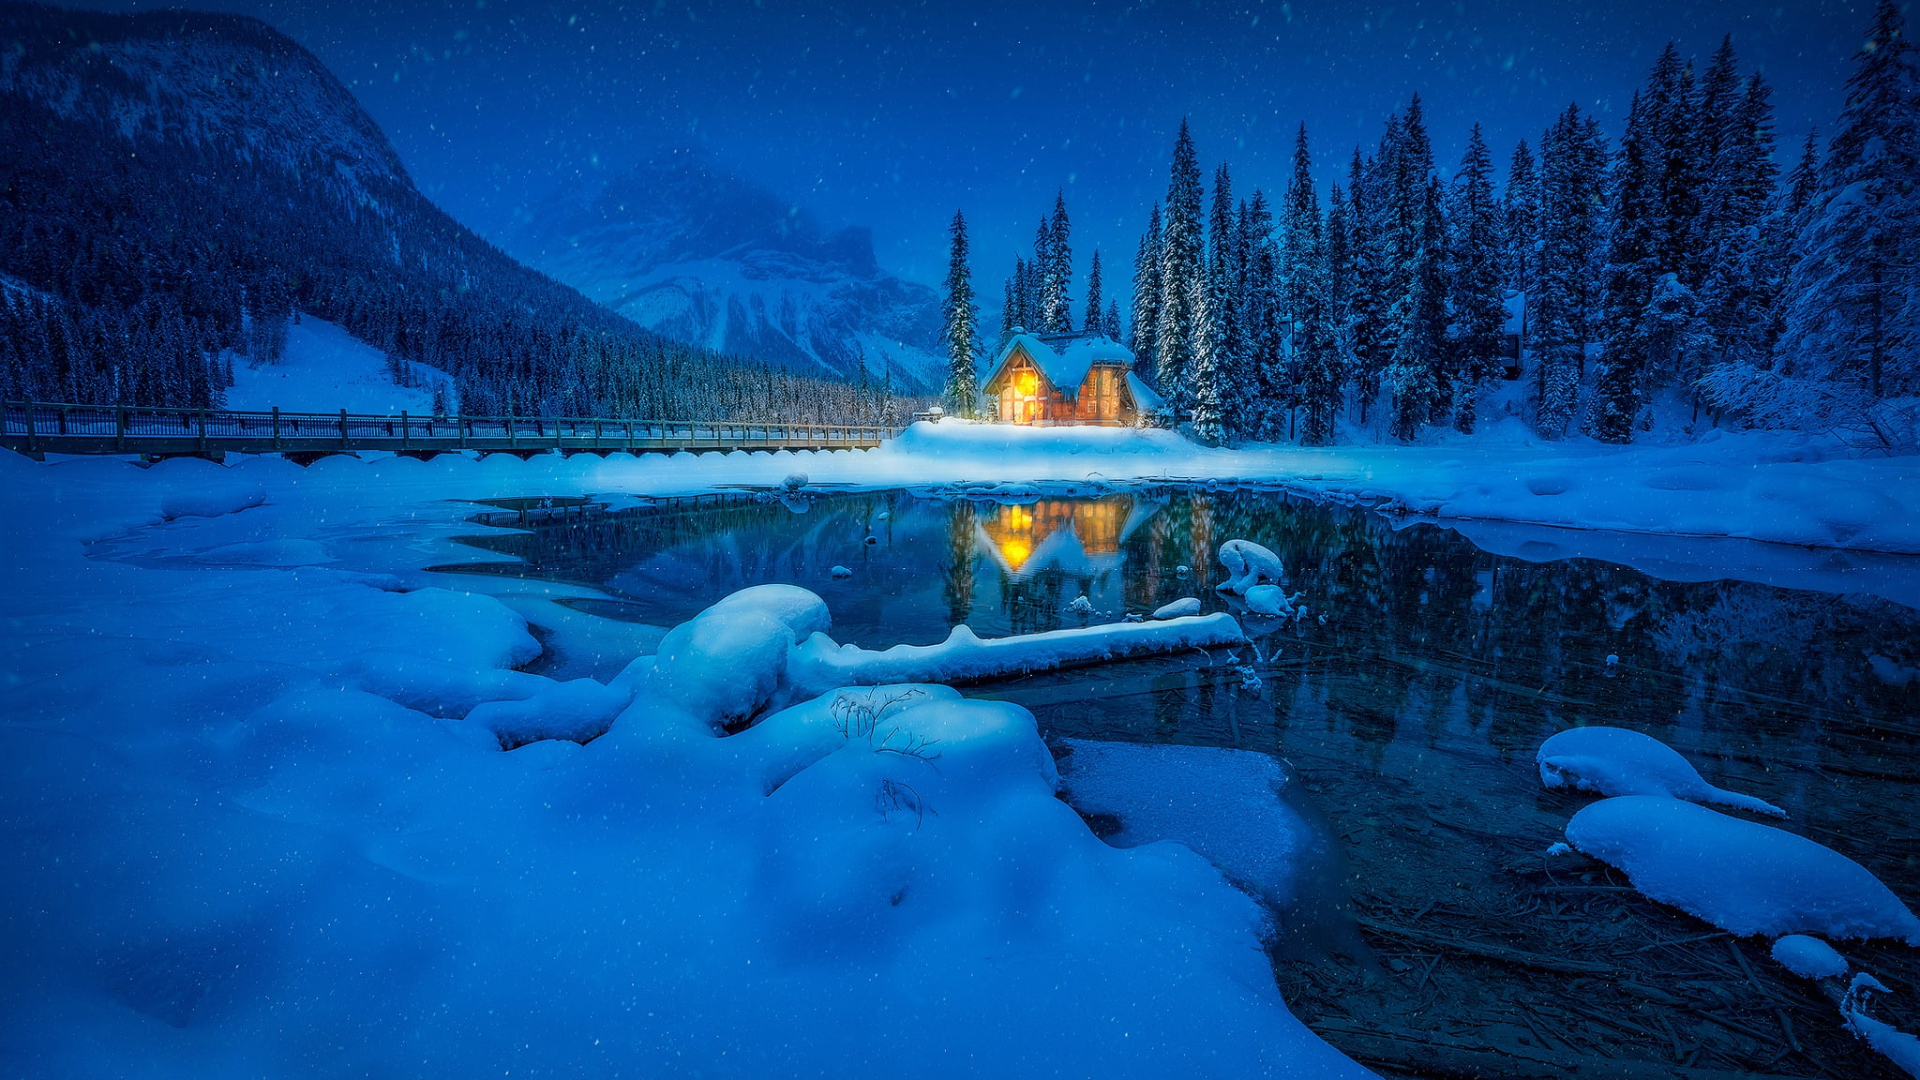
(1064, 359)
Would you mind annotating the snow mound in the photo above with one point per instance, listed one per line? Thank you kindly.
(1248, 564)
(1224, 804)
(1744, 877)
(1809, 957)
(1271, 600)
(1899, 1047)
(1617, 761)
(1189, 605)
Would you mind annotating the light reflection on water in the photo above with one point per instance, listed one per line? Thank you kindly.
(1410, 714)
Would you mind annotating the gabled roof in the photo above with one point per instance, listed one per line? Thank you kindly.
(1064, 359)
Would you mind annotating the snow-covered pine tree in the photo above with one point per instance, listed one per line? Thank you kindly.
(1785, 221)
(1145, 335)
(1853, 315)
(1313, 373)
(1110, 323)
(1417, 374)
(1224, 258)
(1368, 340)
(1265, 381)
(1627, 285)
(1056, 276)
(1009, 311)
(1740, 288)
(1211, 364)
(1673, 121)
(963, 388)
(1091, 323)
(1571, 182)
(1181, 270)
(1474, 284)
(1339, 287)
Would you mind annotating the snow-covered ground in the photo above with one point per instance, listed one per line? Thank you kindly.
(261, 821)
(325, 369)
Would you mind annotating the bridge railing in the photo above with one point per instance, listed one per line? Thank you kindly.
(127, 427)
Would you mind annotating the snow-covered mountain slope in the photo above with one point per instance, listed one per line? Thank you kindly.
(324, 368)
(712, 259)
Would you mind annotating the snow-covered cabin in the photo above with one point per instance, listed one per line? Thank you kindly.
(1075, 378)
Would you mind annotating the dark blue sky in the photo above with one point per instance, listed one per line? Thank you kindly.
(891, 115)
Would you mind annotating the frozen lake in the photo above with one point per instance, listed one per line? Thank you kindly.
(1406, 708)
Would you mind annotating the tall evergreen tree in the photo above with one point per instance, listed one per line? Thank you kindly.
(1056, 306)
(1369, 338)
(1522, 225)
(1091, 323)
(1853, 315)
(1266, 379)
(1631, 270)
(1110, 323)
(1145, 335)
(1572, 176)
(1181, 271)
(1417, 373)
(963, 389)
(1211, 361)
(1474, 264)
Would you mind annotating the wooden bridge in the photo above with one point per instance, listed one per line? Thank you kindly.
(38, 429)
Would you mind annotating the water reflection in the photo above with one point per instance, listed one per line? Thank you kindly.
(1409, 703)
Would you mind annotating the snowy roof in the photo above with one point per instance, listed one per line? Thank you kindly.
(1144, 397)
(1064, 359)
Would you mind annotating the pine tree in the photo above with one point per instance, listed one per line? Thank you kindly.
(1211, 362)
(1266, 381)
(1091, 323)
(963, 390)
(1673, 125)
(1056, 311)
(1521, 239)
(1144, 339)
(1571, 179)
(1110, 324)
(1627, 288)
(1417, 374)
(1852, 312)
(1010, 309)
(1369, 340)
(1474, 259)
(1181, 272)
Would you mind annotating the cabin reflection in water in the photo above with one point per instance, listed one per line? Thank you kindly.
(1078, 535)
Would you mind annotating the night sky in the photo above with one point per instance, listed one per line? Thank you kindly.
(891, 115)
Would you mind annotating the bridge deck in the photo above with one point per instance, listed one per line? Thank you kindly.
(39, 428)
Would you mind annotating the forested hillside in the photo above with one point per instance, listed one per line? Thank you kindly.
(174, 186)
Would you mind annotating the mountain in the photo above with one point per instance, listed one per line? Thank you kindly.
(175, 185)
(706, 257)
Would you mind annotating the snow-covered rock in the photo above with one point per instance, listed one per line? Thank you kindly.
(1081, 605)
(1619, 761)
(1248, 564)
(1269, 600)
(1186, 605)
(1739, 875)
(1809, 957)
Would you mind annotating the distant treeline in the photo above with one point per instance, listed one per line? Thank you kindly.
(1675, 257)
(139, 260)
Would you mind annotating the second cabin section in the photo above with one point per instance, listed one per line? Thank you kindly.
(1068, 379)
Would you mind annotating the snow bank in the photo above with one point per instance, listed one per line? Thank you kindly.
(1224, 804)
(1617, 761)
(1741, 876)
(1187, 605)
(1809, 957)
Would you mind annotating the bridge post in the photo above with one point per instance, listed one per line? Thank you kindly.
(465, 425)
(557, 445)
(513, 437)
(203, 430)
(120, 428)
(276, 427)
(344, 445)
(33, 433)
(405, 442)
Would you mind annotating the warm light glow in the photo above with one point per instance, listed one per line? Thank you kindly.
(1015, 551)
(1026, 383)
